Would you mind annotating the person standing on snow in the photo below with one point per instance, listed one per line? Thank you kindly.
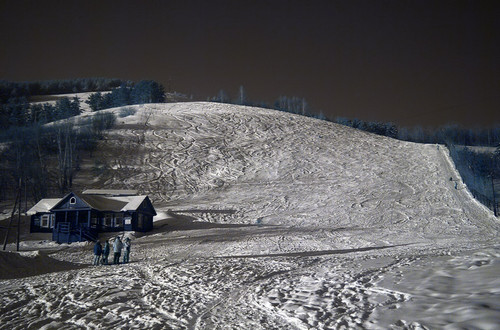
(97, 252)
(117, 249)
(105, 253)
(126, 252)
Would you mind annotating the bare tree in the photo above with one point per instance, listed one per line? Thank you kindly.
(66, 155)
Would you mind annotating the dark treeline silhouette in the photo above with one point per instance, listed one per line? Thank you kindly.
(447, 134)
(145, 91)
(285, 103)
(46, 157)
(452, 134)
(22, 114)
(18, 112)
(27, 89)
(387, 129)
(479, 171)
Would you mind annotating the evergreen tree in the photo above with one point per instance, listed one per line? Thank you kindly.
(120, 96)
(147, 91)
(49, 113)
(95, 101)
(63, 108)
(36, 113)
(75, 109)
(18, 110)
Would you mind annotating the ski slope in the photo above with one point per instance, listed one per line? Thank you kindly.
(273, 220)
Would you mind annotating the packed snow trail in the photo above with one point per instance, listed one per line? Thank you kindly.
(273, 220)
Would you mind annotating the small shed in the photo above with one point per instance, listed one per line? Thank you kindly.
(42, 220)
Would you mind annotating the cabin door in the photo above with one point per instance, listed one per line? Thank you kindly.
(72, 219)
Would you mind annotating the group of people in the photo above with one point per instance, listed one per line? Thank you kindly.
(101, 253)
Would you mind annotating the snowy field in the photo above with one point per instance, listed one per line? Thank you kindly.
(269, 220)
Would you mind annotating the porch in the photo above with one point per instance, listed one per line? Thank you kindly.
(66, 232)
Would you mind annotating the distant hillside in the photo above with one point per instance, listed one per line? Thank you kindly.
(276, 168)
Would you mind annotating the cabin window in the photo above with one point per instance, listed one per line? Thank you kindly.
(107, 220)
(119, 220)
(51, 221)
(94, 220)
(128, 220)
(72, 200)
(45, 223)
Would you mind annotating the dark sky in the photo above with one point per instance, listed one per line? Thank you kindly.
(410, 62)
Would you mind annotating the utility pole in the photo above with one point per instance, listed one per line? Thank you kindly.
(492, 175)
(19, 215)
(495, 211)
(25, 197)
(11, 218)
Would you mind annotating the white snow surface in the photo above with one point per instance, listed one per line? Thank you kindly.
(133, 202)
(44, 205)
(268, 220)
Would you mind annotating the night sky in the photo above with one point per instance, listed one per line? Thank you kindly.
(411, 62)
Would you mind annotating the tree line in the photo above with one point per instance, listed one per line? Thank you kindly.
(27, 89)
(46, 157)
(479, 170)
(450, 133)
(18, 112)
(145, 91)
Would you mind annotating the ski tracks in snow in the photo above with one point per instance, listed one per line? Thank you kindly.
(311, 187)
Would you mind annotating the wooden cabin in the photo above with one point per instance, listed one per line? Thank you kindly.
(81, 217)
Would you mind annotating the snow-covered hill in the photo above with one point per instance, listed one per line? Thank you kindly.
(272, 220)
(289, 170)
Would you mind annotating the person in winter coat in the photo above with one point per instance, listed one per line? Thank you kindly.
(117, 249)
(105, 253)
(126, 252)
(97, 252)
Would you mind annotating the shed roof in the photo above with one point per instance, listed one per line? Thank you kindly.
(110, 192)
(133, 202)
(43, 206)
(103, 203)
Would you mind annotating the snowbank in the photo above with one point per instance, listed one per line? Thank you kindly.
(24, 264)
